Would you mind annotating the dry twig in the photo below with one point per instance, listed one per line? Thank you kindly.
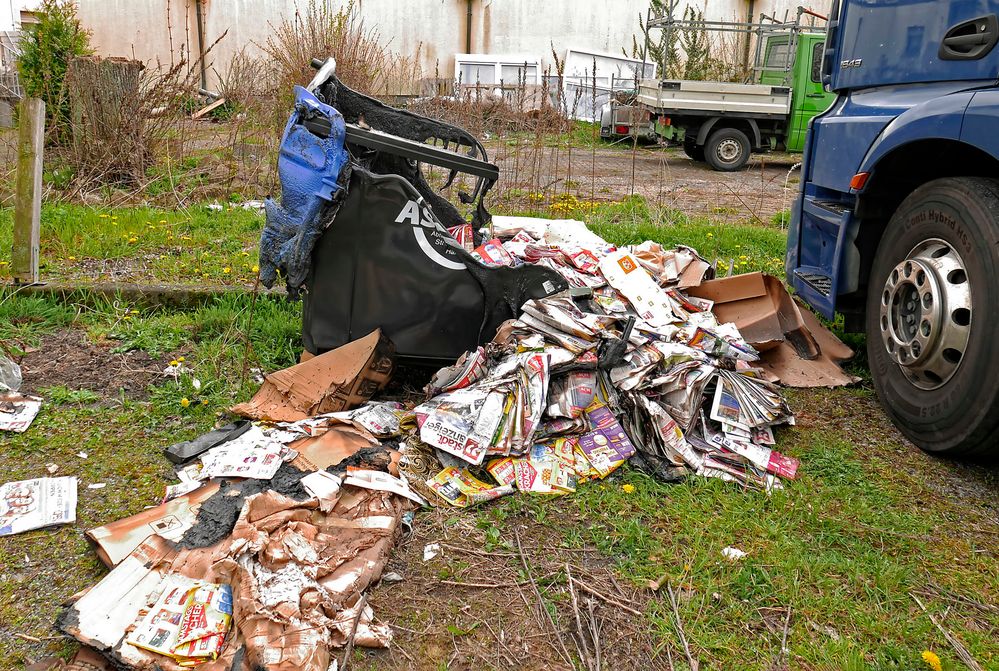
(959, 648)
(679, 628)
(541, 604)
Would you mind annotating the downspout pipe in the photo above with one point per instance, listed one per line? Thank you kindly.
(749, 36)
(199, 18)
(468, 27)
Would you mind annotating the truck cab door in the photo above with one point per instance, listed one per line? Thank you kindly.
(810, 98)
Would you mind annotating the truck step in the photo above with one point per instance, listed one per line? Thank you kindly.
(821, 283)
(832, 206)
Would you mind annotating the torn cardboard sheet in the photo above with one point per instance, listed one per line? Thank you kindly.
(33, 504)
(337, 380)
(172, 519)
(296, 574)
(795, 348)
(169, 520)
(17, 411)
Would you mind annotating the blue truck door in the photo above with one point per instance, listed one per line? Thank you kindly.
(912, 41)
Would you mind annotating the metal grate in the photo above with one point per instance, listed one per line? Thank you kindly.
(821, 283)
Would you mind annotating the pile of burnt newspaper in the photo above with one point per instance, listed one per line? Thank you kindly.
(261, 555)
(644, 359)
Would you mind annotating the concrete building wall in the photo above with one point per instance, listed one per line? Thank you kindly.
(9, 15)
(141, 29)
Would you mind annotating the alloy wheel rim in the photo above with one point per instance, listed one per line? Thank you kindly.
(925, 314)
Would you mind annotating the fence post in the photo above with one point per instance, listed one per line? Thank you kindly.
(28, 191)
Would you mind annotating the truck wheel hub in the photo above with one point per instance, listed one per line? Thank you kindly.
(728, 150)
(926, 314)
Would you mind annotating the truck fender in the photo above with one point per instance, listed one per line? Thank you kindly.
(702, 134)
(936, 119)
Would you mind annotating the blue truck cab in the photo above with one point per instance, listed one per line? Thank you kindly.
(896, 226)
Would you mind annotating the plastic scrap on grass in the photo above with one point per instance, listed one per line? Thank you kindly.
(17, 411)
(282, 520)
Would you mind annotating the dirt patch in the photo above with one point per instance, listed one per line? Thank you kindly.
(474, 605)
(664, 177)
(65, 357)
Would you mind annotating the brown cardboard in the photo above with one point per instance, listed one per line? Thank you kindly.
(337, 380)
(345, 549)
(794, 346)
(117, 540)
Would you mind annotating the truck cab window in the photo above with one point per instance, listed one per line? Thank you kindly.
(817, 52)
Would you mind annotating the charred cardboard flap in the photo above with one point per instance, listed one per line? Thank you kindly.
(822, 371)
(794, 346)
(119, 539)
(337, 380)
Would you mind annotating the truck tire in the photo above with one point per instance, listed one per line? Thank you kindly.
(932, 296)
(694, 152)
(727, 149)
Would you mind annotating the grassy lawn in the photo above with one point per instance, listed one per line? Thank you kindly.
(869, 522)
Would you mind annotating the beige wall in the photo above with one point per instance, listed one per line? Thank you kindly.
(139, 28)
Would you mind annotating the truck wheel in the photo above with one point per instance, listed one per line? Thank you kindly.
(932, 296)
(727, 149)
(693, 151)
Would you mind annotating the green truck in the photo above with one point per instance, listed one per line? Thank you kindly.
(722, 123)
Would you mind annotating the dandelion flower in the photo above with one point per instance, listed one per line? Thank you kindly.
(932, 660)
(174, 362)
(180, 358)
(628, 489)
(127, 317)
(72, 258)
(134, 312)
(256, 269)
(227, 270)
(184, 402)
(711, 235)
(204, 401)
(133, 239)
(102, 216)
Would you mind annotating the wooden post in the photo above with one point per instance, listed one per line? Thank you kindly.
(28, 198)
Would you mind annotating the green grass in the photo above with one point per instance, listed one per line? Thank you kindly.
(193, 246)
(868, 521)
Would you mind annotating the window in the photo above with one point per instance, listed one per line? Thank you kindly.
(473, 74)
(777, 55)
(515, 74)
(817, 51)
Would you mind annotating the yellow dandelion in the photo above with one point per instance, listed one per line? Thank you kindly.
(114, 218)
(628, 489)
(134, 312)
(133, 239)
(204, 401)
(932, 660)
(174, 362)
(184, 402)
(227, 270)
(180, 358)
(256, 269)
(162, 221)
(72, 258)
(102, 216)
(711, 235)
(127, 317)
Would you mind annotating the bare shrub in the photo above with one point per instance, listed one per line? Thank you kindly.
(322, 31)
